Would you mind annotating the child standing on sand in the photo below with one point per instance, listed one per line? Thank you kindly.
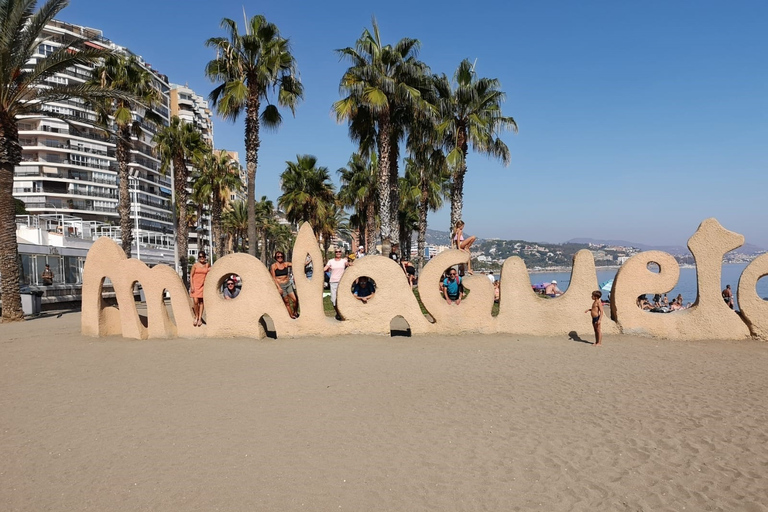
(597, 316)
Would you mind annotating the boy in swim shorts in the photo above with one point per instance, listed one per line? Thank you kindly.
(597, 316)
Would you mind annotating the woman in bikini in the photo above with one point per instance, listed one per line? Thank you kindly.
(280, 271)
(461, 243)
(197, 284)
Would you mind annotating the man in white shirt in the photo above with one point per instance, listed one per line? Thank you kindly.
(360, 252)
(491, 278)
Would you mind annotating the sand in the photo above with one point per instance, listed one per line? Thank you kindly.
(378, 423)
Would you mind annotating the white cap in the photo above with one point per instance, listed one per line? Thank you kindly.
(554, 282)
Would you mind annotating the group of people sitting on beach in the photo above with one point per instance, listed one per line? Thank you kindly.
(661, 303)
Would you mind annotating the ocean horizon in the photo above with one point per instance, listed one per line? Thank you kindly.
(687, 285)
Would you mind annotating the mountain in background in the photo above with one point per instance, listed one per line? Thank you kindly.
(675, 250)
(435, 237)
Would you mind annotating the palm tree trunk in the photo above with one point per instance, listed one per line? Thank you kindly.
(216, 209)
(123, 155)
(252, 144)
(370, 228)
(264, 246)
(182, 230)
(421, 243)
(383, 183)
(394, 190)
(457, 195)
(9, 249)
(10, 156)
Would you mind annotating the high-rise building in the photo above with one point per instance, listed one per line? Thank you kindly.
(69, 167)
(192, 108)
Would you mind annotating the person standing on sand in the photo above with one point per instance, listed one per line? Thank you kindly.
(728, 296)
(197, 284)
(281, 275)
(337, 266)
(597, 316)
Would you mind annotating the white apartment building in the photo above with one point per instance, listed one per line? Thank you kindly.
(69, 168)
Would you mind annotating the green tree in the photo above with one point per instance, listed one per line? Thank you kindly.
(219, 176)
(334, 222)
(358, 190)
(380, 80)
(427, 163)
(308, 193)
(247, 68)
(177, 144)
(25, 90)
(235, 221)
(470, 113)
(125, 74)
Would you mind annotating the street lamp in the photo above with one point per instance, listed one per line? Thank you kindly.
(134, 181)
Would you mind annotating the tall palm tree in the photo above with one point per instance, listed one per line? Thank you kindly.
(25, 90)
(281, 238)
(308, 193)
(333, 223)
(380, 80)
(177, 144)
(470, 113)
(427, 162)
(358, 190)
(235, 221)
(265, 223)
(219, 176)
(408, 211)
(247, 68)
(127, 75)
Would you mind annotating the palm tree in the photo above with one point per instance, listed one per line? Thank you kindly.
(127, 75)
(358, 190)
(333, 223)
(381, 80)
(177, 144)
(265, 223)
(219, 176)
(470, 113)
(427, 162)
(247, 67)
(308, 194)
(408, 212)
(280, 238)
(235, 221)
(25, 90)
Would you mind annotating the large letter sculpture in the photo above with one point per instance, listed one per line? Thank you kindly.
(520, 311)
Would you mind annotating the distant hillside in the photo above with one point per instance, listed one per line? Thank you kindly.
(677, 250)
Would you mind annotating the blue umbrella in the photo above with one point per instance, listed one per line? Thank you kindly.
(607, 286)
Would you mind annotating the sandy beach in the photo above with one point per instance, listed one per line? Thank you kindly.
(378, 423)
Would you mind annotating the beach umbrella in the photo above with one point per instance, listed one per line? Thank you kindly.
(606, 286)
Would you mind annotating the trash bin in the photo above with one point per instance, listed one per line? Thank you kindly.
(31, 300)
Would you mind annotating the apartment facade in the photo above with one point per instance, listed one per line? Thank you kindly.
(69, 167)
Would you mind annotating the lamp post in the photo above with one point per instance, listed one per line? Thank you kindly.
(134, 179)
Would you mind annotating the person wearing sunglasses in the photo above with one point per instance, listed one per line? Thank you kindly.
(281, 274)
(337, 266)
(197, 284)
(452, 287)
(231, 290)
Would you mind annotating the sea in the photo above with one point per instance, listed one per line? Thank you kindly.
(686, 284)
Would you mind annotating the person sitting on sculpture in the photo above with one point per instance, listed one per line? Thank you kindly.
(452, 287)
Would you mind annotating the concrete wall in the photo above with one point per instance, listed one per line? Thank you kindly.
(521, 311)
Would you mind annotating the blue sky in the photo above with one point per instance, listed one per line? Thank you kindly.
(638, 120)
